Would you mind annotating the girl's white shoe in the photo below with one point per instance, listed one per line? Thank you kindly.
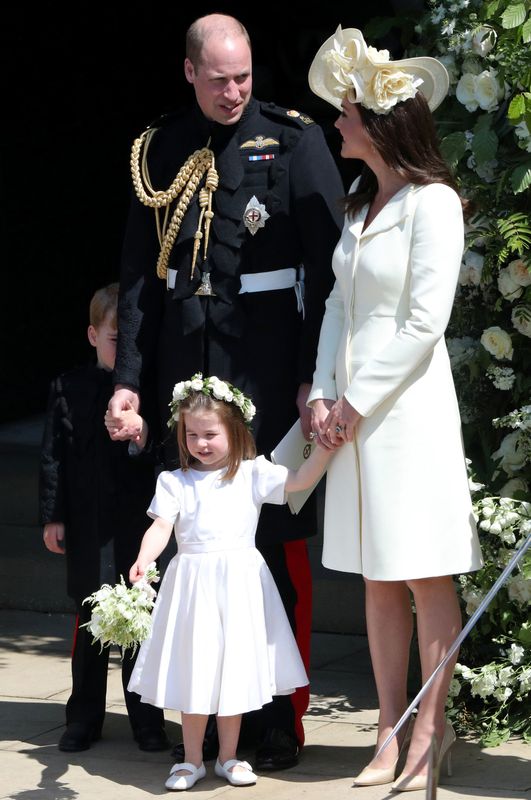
(238, 778)
(179, 783)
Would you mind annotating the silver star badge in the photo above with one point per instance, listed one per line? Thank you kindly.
(255, 215)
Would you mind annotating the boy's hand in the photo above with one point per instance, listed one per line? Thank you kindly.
(127, 426)
(54, 537)
(122, 400)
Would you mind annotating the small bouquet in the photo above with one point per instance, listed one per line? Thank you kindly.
(120, 615)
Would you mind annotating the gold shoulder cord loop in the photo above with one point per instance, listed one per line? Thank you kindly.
(183, 187)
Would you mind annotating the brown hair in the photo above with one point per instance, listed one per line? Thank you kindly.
(407, 141)
(104, 303)
(241, 442)
(220, 25)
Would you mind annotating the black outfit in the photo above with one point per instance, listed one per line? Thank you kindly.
(100, 493)
(259, 341)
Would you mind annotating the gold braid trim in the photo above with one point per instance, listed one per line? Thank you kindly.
(184, 186)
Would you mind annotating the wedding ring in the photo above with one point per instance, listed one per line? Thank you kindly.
(339, 429)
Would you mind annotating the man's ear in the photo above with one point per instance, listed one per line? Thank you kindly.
(189, 71)
(92, 334)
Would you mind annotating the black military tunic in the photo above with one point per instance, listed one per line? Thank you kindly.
(259, 341)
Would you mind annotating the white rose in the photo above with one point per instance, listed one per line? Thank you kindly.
(508, 286)
(466, 91)
(522, 323)
(483, 684)
(488, 90)
(483, 40)
(220, 390)
(178, 391)
(512, 457)
(512, 486)
(196, 384)
(519, 272)
(387, 87)
(238, 400)
(519, 589)
(497, 342)
(471, 269)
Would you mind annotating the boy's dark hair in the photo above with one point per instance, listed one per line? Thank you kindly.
(241, 442)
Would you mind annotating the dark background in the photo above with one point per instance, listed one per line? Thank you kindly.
(79, 86)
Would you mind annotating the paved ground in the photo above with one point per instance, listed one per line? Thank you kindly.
(340, 725)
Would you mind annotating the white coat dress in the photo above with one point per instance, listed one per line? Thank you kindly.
(398, 505)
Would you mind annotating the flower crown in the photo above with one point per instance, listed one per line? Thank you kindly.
(212, 387)
(365, 75)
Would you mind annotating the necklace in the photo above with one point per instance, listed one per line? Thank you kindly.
(183, 186)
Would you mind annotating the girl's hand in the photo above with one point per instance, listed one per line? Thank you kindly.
(341, 421)
(137, 571)
(54, 537)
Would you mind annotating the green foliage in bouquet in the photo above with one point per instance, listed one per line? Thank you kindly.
(485, 130)
(122, 615)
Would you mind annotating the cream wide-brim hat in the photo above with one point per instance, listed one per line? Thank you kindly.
(431, 72)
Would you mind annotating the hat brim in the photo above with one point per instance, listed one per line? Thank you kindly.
(433, 74)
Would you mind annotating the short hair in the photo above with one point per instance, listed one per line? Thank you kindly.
(199, 31)
(406, 139)
(104, 303)
(241, 442)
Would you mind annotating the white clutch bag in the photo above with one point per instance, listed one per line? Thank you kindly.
(291, 452)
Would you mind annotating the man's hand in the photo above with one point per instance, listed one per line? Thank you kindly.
(122, 400)
(54, 537)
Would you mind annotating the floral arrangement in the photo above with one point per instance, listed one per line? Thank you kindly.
(121, 615)
(485, 130)
(213, 387)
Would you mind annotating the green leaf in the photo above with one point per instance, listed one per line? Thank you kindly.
(484, 144)
(524, 634)
(492, 8)
(526, 31)
(521, 178)
(453, 147)
(513, 15)
(495, 737)
(516, 107)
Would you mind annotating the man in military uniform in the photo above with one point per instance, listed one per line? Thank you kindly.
(225, 271)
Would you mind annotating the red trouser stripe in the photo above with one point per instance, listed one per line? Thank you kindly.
(298, 565)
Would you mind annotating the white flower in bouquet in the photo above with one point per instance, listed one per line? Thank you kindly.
(521, 319)
(509, 288)
(466, 92)
(513, 457)
(488, 90)
(485, 683)
(503, 693)
(525, 681)
(483, 40)
(497, 342)
(121, 615)
(503, 378)
(471, 268)
(516, 654)
(519, 272)
(519, 589)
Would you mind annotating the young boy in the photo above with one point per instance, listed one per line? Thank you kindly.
(93, 500)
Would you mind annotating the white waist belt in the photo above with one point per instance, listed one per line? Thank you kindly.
(275, 279)
(263, 282)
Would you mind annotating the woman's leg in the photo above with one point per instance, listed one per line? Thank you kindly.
(389, 629)
(193, 734)
(438, 624)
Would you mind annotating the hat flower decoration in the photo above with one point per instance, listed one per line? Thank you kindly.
(345, 66)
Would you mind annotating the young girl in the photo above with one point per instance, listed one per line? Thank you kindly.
(221, 642)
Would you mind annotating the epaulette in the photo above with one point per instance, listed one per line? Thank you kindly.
(287, 115)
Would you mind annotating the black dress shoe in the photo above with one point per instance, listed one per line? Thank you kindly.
(278, 750)
(210, 750)
(152, 740)
(78, 736)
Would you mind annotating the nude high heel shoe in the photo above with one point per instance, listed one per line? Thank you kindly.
(372, 776)
(413, 783)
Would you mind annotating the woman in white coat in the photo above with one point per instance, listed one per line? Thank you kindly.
(398, 508)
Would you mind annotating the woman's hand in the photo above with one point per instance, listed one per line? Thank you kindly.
(320, 413)
(339, 425)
